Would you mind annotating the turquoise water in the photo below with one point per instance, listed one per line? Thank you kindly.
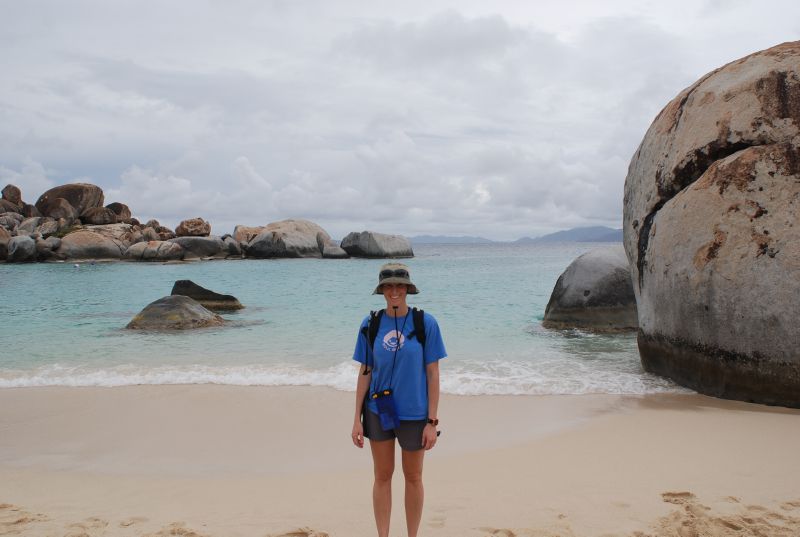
(64, 325)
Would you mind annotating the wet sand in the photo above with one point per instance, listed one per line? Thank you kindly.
(265, 461)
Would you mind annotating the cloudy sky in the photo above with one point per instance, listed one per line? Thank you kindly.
(493, 118)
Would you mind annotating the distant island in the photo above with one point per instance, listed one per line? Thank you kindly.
(578, 234)
(443, 239)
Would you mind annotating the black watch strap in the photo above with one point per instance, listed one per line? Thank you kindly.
(433, 421)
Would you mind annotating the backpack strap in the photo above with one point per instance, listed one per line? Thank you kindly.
(419, 326)
(371, 333)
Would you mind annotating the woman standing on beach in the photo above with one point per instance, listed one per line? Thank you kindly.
(397, 393)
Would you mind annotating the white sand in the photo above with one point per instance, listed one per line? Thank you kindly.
(234, 461)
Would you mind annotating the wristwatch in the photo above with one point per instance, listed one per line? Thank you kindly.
(433, 421)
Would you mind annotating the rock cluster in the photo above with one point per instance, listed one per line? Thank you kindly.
(595, 292)
(70, 222)
(710, 229)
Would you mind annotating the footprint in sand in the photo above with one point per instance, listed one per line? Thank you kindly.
(14, 520)
(132, 521)
(176, 529)
(498, 532)
(302, 532)
(678, 498)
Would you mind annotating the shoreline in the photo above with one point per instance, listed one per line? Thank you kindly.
(256, 461)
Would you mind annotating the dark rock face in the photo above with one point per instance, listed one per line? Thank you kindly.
(81, 196)
(12, 194)
(21, 249)
(29, 210)
(99, 216)
(376, 245)
(209, 299)
(199, 247)
(8, 207)
(194, 227)
(122, 211)
(61, 208)
(174, 312)
(710, 228)
(595, 292)
(5, 236)
(231, 247)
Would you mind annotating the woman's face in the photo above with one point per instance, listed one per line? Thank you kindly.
(395, 294)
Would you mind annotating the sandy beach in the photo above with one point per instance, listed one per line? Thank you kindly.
(235, 461)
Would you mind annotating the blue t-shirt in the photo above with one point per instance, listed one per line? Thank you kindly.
(408, 382)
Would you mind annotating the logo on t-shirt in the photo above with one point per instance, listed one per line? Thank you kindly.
(390, 341)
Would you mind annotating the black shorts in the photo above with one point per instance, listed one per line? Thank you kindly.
(409, 434)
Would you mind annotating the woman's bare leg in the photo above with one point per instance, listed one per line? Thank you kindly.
(383, 463)
(415, 493)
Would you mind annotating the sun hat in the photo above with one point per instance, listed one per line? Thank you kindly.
(395, 273)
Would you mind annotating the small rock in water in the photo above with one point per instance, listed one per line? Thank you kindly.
(174, 312)
(209, 299)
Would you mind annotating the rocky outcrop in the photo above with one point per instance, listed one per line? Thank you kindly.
(85, 245)
(595, 293)
(45, 248)
(81, 196)
(10, 221)
(21, 249)
(29, 210)
(174, 312)
(200, 247)
(13, 195)
(99, 216)
(334, 251)
(194, 227)
(231, 247)
(209, 299)
(289, 238)
(709, 225)
(376, 245)
(154, 251)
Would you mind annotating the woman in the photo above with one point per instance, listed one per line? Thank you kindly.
(398, 392)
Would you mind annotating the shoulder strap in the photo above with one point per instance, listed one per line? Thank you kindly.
(371, 333)
(419, 325)
(373, 326)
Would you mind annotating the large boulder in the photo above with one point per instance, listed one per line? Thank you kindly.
(45, 248)
(29, 224)
(289, 238)
(174, 312)
(194, 227)
(13, 194)
(200, 247)
(209, 299)
(86, 244)
(710, 218)
(81, 196)
(376, 245)
(154, 251)
(594, 292)
(99, 216)
(334, 251)
(20, 249)
(29, 210)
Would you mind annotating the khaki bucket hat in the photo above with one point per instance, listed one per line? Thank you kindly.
(395, 273)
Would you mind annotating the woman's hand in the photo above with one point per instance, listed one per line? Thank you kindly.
(358, 434)
(429, 436)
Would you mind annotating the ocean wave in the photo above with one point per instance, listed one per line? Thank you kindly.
(490, 378)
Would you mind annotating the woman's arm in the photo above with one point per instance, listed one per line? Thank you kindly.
(429, 433)
(361, 392)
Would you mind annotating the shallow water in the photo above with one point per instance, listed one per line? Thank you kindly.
(64, 325)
